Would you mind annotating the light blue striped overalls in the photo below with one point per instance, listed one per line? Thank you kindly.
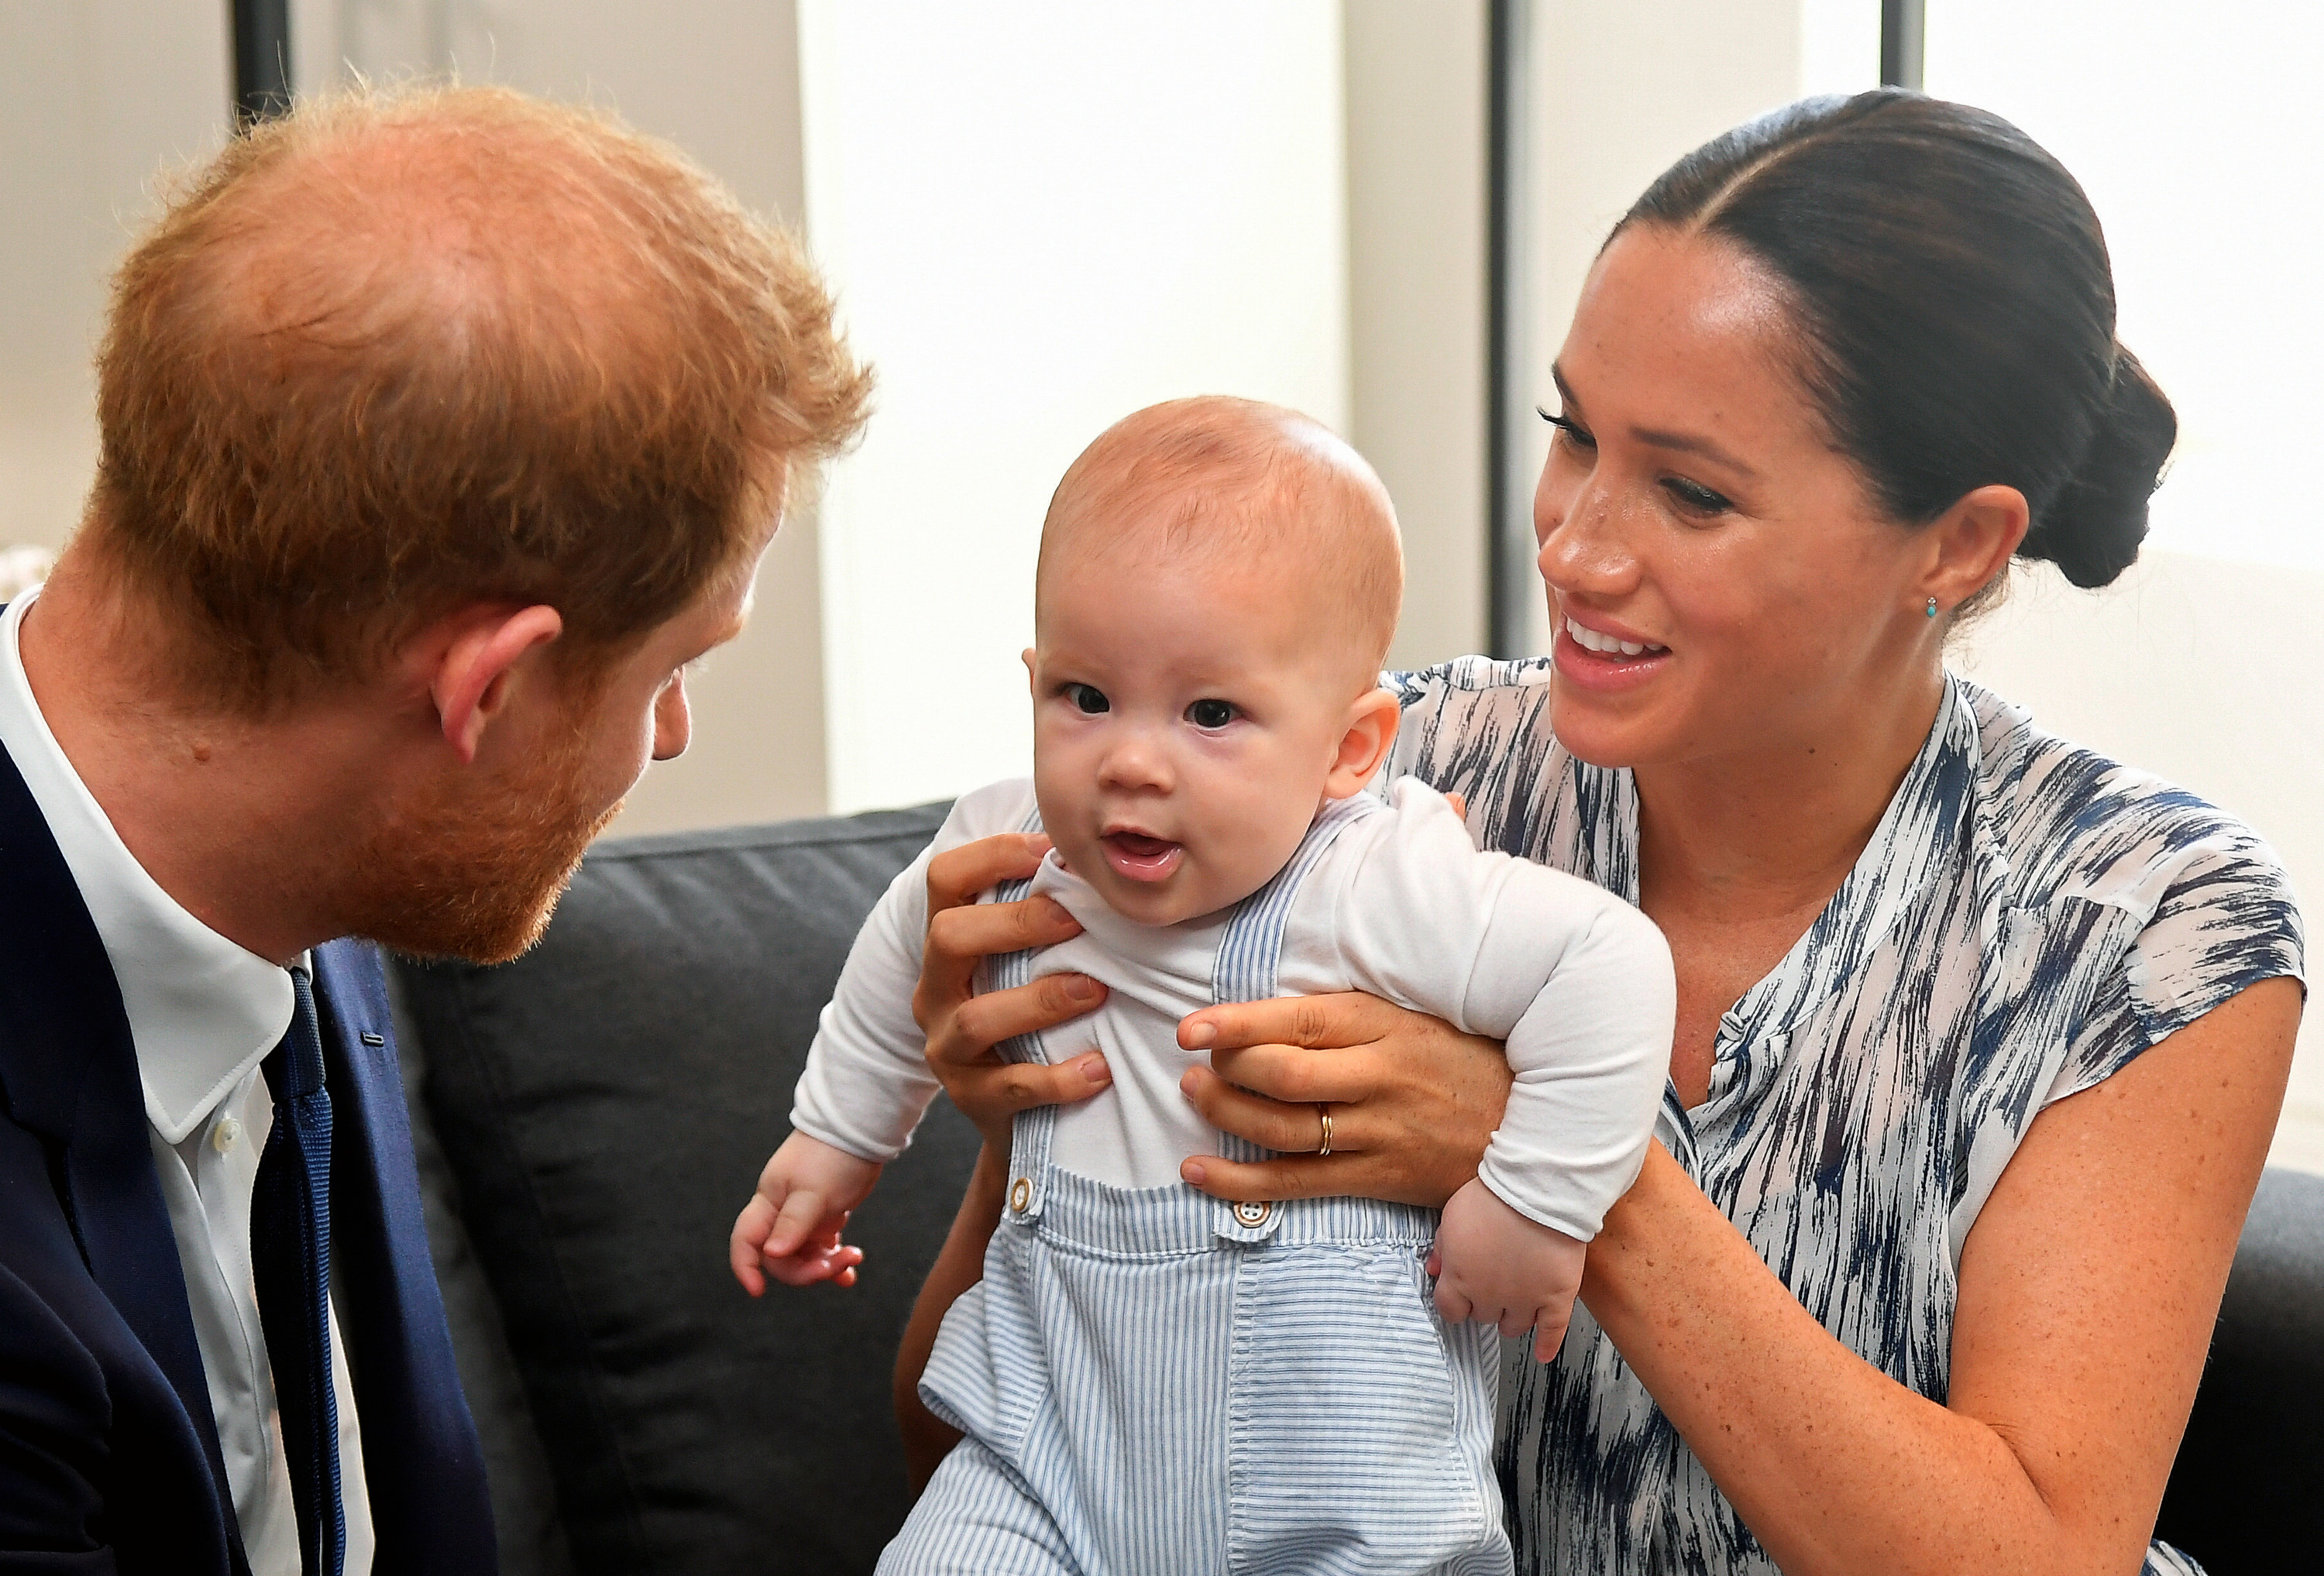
(1153, 1383)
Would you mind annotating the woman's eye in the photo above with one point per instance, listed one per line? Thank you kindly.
(1697, 498)
(1570, 430)
(1088, 698)
(1210, 714)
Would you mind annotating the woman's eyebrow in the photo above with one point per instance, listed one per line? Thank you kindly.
(1656, 438)
(1565, 390)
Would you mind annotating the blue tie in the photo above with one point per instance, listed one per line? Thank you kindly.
(290, 1263)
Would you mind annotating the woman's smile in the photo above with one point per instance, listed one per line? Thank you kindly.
(1586, 660)
(1605, 660)
(1607, 644)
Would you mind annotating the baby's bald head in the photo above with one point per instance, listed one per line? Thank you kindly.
(1251, 490)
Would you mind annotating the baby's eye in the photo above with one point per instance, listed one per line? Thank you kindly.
(1210, 714)
(1088, 698)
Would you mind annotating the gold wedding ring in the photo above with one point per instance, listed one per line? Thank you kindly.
(1324, 1148)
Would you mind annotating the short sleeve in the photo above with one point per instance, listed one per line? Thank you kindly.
(2226, 920)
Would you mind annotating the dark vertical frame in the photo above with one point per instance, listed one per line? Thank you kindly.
(1904, 30)
(262, 59)
(1512, 586)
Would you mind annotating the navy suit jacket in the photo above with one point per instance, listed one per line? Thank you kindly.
(109, 1457)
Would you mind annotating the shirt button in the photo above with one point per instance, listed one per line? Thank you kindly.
(1253, 1212)
(223, 1135)
(1020, 1196)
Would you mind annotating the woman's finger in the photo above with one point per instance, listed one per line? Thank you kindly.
(1336, 1021)
(991, 1093)
(1272, 1124)
(972, 931)
(958, 938)
(957, 875)
(1383, 1174)
(1284, 1176)
(967, 1035)
(1006, 1088)
(1295, 1075)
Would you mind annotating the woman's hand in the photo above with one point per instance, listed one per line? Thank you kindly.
(964, 1028)
(1413, 1100)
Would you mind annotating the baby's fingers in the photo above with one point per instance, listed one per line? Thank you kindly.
(748, 1241)
(1452, 1301)
(834, 1263)
(802, 1213)
(1549, 1331)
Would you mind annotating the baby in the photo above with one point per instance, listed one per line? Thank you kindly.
(1150, 1380)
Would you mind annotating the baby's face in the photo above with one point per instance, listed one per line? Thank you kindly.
(1186, 714)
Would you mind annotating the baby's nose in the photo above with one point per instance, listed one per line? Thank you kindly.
(1136, 762)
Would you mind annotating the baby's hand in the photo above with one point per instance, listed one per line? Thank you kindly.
(1493, 1265)
(790, 1228)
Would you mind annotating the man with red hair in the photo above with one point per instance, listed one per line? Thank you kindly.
(440, 430)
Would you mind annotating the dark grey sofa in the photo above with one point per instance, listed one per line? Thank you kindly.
(591, 1116)
(600, 1110)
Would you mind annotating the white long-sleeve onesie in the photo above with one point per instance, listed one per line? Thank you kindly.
(1576, 981)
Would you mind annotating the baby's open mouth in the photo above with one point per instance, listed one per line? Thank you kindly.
(1139, 857)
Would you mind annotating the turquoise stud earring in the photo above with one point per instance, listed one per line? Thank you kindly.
(1932, 607)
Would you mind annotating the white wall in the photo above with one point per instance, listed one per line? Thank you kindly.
(2197, 146)
(98, 98)
(1416, 215)
(1039, 219)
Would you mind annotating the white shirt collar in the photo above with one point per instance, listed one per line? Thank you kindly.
(202, 1009)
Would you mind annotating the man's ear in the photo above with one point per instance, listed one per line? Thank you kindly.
(1972, 542)
(1370, 729)
(470, 683)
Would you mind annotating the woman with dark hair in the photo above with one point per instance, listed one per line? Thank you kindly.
(1981, 1037)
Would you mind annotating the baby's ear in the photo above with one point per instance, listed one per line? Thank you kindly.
(1031, 673)
(1370, 729)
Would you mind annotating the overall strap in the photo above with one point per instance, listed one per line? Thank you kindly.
(1251, 951)
(1029, 1148)
(1250, 957)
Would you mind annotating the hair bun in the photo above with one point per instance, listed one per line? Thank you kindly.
(2093, 530)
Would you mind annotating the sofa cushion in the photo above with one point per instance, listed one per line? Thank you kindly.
(2248, 1493)
(605, 1104)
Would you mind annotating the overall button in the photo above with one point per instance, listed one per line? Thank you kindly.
(224, 1133)
(1021, 1194)
(1253, 1213)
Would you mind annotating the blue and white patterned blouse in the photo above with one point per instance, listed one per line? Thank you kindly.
(2027, 918)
